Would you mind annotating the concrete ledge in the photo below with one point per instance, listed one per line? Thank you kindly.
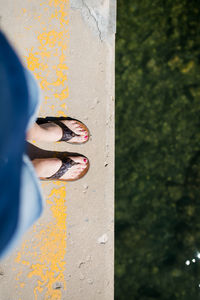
(69, 253)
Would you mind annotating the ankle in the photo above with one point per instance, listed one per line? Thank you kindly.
(46, 167)
(50, 132)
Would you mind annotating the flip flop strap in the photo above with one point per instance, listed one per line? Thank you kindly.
(68, 134)
(67, 163)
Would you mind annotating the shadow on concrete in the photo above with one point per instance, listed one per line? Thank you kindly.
(34, 152)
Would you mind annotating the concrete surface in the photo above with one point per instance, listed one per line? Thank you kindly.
(68, 254)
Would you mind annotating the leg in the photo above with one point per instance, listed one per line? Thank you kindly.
(48, 132)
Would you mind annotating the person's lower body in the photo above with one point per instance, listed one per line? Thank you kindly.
(31, 201)
(68, 168)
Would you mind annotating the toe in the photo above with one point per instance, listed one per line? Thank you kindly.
(79, 130)
(76, 170)
(80, 159)
(76, 126)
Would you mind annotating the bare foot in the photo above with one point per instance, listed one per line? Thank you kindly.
(46, 167)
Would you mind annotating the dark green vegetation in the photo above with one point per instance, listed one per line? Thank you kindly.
(157, 150)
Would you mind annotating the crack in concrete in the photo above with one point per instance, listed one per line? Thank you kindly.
(94, 18)
(100, 16)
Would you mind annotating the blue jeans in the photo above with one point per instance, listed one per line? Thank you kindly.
(31, 200)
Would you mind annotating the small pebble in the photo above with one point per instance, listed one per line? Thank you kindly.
(88, 258)
(90, 281)
(81, 277)
(57, 285)
(103, 239)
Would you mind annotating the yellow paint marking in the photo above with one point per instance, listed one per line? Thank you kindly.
(33, 62)
(52, 247)
(18, 257)
(26, 263)
(50, 38)
(50, 243)
(18, 276)
(61, 113)
(37, 18)
(43, 258)
(63, 95)
(58, 183)
(63, 105)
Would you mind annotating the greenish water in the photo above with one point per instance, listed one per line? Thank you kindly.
(157, 150)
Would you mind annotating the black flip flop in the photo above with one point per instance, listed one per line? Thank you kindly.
(68, 134)
(67, 163)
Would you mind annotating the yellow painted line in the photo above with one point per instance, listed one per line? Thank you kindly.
(43, 258)
(51, 248)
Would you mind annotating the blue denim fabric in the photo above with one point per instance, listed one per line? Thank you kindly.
(35, 97)
(21, 201)
(30, 207)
